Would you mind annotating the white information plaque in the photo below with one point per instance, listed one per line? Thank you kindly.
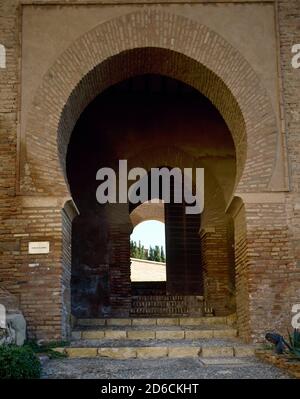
(42, 247)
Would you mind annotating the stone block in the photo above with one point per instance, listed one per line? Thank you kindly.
(198, 334)
(217, 351)
(144, 322)
(59, 350)
(228, 333)
(115, 334)
(117, 353)
(165, 334)
(191, 321)
(184, 351)
(92, 334)
(118, 322)
(172, 321)
(81, 352)
(152, 352)
(141, 334)
(212, 321)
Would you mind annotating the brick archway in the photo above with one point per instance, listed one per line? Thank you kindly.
(147, 211)
(214, 226)
(149, 42)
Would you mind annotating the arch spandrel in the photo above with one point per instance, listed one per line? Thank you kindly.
(150, 41)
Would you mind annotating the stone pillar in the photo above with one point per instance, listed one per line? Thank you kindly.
(218, 290)
(69, 212)
(101, 262)
(184, 269)
(237, 211)
(120, 228)
(90, 265)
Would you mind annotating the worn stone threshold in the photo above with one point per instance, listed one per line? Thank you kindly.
(150, 334)
(200, 327)
(156, 343)
(147, 350)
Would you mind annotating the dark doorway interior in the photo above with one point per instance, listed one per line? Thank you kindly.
(143, 114)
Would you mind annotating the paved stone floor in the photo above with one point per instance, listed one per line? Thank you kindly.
(188, 368)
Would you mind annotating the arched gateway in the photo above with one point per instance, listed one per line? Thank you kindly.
(238, 148)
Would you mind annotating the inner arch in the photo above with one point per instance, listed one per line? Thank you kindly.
(153, 121)
(155, 61)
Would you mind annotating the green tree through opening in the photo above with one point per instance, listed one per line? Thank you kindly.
(155, 253)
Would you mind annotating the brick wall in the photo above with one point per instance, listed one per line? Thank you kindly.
(267, 278)
(36, 279)
(216, 265)
(241, 271)
(289, 29)
(273, 275)
(289, 34)
(9, 244)
(267, 235)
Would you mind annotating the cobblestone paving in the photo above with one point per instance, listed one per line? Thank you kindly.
(188, 368)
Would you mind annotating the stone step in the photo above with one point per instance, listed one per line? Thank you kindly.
(143, 350)
(156, 321)
(131, 333)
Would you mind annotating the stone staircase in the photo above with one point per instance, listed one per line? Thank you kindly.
(149, 338)
(166, 305)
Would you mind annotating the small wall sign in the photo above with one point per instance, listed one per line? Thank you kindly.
(41, 247)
